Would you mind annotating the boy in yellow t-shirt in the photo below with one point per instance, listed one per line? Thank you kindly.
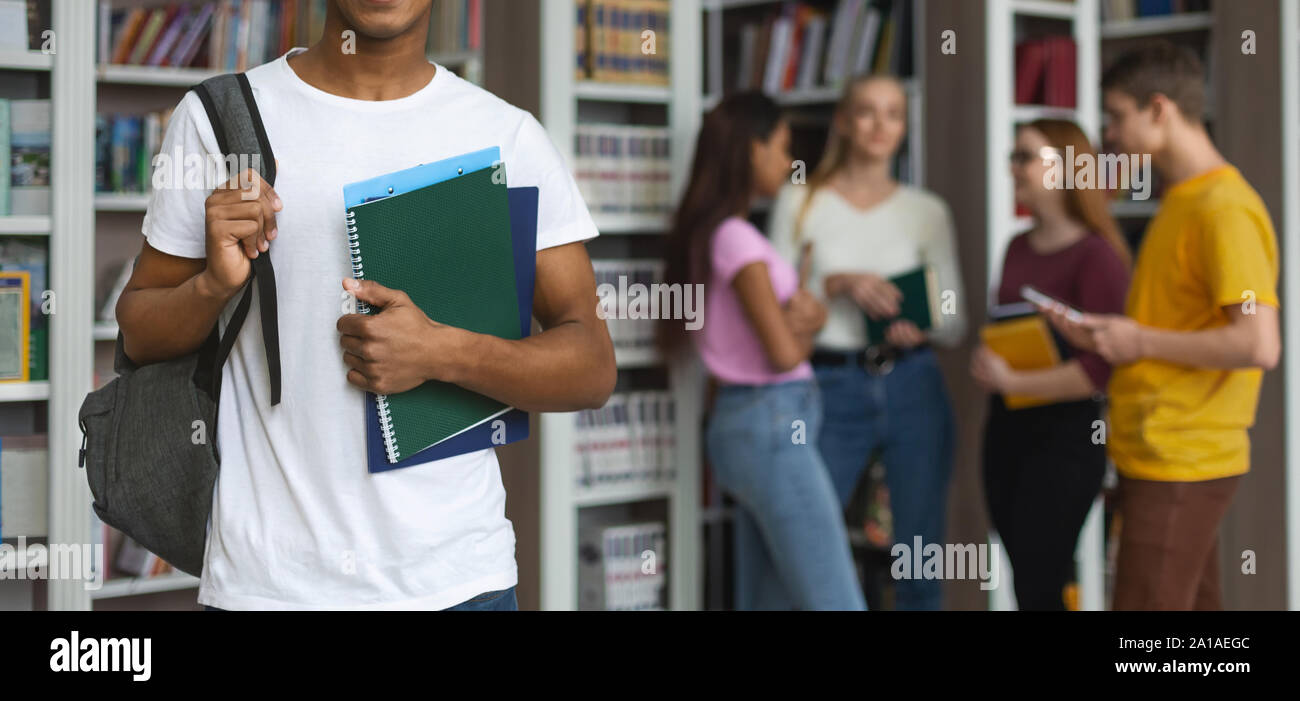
(1200, 327)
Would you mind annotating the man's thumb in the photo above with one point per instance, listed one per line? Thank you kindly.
(371, 292)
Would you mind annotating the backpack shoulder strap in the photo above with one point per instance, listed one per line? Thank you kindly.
(237, 123)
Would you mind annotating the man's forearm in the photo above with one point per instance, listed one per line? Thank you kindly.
(1228, 347)
(565, 368)
(167, 322)
(1063, 382)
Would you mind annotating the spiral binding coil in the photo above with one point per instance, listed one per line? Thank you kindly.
(381, 400)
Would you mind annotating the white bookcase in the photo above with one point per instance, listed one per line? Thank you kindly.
(561, 498)
(1290, 51)
(1001, 116)
(811, 106)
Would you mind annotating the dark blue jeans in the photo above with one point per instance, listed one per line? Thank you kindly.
(500, 600)
(905, 419)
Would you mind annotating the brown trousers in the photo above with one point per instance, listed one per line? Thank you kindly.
(1169, 544)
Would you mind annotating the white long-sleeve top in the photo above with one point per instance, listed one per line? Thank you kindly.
(913, 227)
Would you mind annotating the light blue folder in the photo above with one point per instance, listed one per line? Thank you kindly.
(420, 176)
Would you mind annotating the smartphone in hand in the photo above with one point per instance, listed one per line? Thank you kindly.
(1050, 303)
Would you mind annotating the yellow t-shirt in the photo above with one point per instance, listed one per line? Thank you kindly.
(1211, 245)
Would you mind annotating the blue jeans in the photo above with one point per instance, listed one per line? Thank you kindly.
(500, 600)
(791, 549)
(904, 417)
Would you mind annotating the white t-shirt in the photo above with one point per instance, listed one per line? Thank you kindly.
(298, 522)
(910, 228)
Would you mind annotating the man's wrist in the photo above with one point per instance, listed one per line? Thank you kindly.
(1142, 343)
(208, 289)
(457, 351)
(1013, 383)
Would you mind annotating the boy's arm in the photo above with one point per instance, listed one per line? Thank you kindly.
(1246, 341)
(171, 303)
(568, 366)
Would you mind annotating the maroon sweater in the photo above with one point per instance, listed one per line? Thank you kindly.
(1088, 275)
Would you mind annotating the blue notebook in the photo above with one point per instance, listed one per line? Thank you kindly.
(523, 230)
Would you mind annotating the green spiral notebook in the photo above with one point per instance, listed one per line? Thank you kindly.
(448, 247)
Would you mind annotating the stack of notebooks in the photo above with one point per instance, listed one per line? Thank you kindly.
(1022, 337)
(462, 246)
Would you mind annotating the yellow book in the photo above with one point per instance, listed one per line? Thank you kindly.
(15, 325)
(1026, 344)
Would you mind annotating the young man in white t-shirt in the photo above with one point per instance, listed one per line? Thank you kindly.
(297, 520)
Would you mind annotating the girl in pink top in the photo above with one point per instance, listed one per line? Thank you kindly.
(791, 549)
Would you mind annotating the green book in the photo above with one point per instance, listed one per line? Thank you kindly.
(920, 303)
(448, 247)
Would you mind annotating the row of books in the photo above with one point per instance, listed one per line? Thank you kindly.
(623, 169)
(122, 556)
(1120, 10)
(23, 478)
(23, 24)
(25, 154)
(455, 26)
(1046, 72)
(24, 279)
(125, 145)
(229, 35)
(630, 440)
(627, 299)
(800, 47)
(622, 41)
(633, 566)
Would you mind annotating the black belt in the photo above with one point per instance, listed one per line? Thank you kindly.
(876, 360)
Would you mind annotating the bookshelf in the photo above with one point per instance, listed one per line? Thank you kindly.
(811, 104)
(1190, 28)
(1007, 22)
(1290, 235)
(566, 102)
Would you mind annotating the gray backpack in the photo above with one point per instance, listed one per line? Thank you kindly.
(151, 465)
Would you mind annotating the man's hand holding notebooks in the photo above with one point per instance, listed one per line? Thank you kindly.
(441, 234)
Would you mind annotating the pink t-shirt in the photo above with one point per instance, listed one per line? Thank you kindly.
(727, 343)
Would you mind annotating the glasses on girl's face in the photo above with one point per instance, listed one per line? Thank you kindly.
(1021, 157)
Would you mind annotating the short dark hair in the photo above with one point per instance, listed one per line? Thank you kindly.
(1160, 67)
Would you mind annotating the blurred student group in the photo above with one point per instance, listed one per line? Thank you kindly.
(820, 332)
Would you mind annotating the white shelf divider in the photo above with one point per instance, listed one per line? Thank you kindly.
(561, 498)
(24, 391)
(1001, 114)
(25, 61)
(1162, 24)
(616, 92)
(72, 275)
(25, 225)
(152, 75)
(121, 201)
(133, 586)
(1290, 50)
(1051, 9)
